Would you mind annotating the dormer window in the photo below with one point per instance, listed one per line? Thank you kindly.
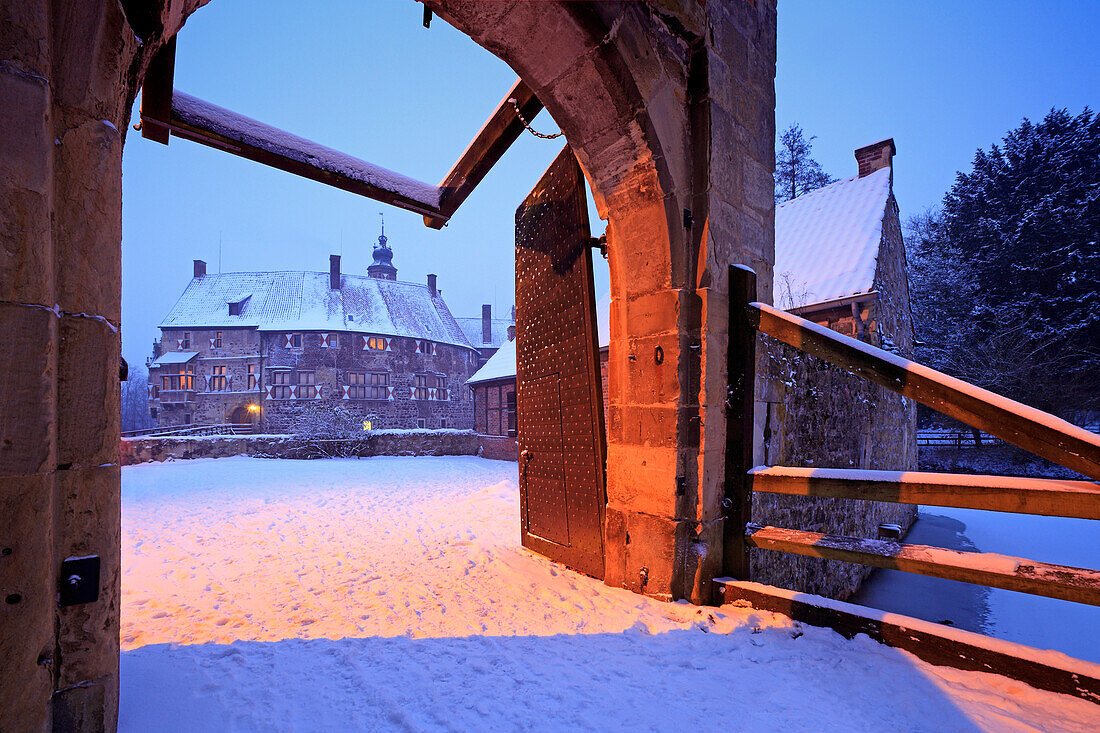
(236, 307)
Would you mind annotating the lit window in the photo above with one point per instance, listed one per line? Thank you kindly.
(375, 343)
(178, 376)
(252, 376)
(217, 379)
(217, 340)
(368, 385)
(280, 385)
(307, 385)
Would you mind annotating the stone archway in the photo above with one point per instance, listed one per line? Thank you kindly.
(669, 110)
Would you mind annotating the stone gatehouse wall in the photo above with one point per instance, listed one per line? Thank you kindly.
(818, 415)
(379, 443)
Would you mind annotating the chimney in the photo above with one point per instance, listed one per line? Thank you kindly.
(334, 272)
(511, 333)
(431, 285)
(486, 324)
(200, 268)
(875, 156)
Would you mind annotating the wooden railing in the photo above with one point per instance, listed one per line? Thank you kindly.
(1036, 431)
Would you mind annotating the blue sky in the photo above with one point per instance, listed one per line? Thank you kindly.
(941, 78)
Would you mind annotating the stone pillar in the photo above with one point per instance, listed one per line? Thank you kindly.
(65, 99)
(669, 108)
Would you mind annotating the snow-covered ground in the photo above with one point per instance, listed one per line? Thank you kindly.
(391, 593)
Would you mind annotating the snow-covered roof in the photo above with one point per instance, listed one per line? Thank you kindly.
(501, 365)
(303, 301)
(827, 241)
(472, 328)
(175, 357)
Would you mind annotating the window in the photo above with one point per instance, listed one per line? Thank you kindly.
(216, 342)
(429, 387)
(187, 418)
(156, 391)
(218, 382)
(442, 422)
(375, 343)
(234, 309)
(368, 385)
(292, 340)
(420, 422)
(307, 385)
(185, 342)
(495, 411)
(280, 385)
(334, 340)
(252, 376)
(178, 376)
(510, 414)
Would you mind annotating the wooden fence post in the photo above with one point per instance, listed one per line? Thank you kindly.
(740, 422)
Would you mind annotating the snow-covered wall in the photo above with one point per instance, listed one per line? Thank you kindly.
(378, 443)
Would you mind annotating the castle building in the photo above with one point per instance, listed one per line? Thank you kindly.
(289, 352)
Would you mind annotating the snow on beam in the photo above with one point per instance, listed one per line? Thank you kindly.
(1046, 497)
(934, 643)
(488, 146)
(1033, 430)
(202, 122)
(981, 568)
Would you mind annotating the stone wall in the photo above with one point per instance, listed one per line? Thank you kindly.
(379, 443)
(821, 416)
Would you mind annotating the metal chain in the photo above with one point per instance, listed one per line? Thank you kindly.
(528, 126)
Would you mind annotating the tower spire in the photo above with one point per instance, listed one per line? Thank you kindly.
(382, 267)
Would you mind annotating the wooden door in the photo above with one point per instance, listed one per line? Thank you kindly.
(559, 396)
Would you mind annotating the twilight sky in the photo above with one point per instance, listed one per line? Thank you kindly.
(941, 78)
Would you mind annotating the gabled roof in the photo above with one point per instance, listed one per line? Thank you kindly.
(827, 241)
(472, 328)
(501, 365)
(303, 301)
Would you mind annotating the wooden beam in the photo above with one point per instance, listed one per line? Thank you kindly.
(981, 568)
(199, 121)
(1046, 497)
(156, 94)
(1023, 426)
(488, 146)
(934, 643)
(740, 422)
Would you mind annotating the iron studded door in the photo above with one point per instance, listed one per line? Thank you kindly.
(559, 397)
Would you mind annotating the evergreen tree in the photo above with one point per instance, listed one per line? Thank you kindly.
(796, 172)
(1004, 279)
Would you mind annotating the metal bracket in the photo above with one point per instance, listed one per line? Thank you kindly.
(79, 582)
